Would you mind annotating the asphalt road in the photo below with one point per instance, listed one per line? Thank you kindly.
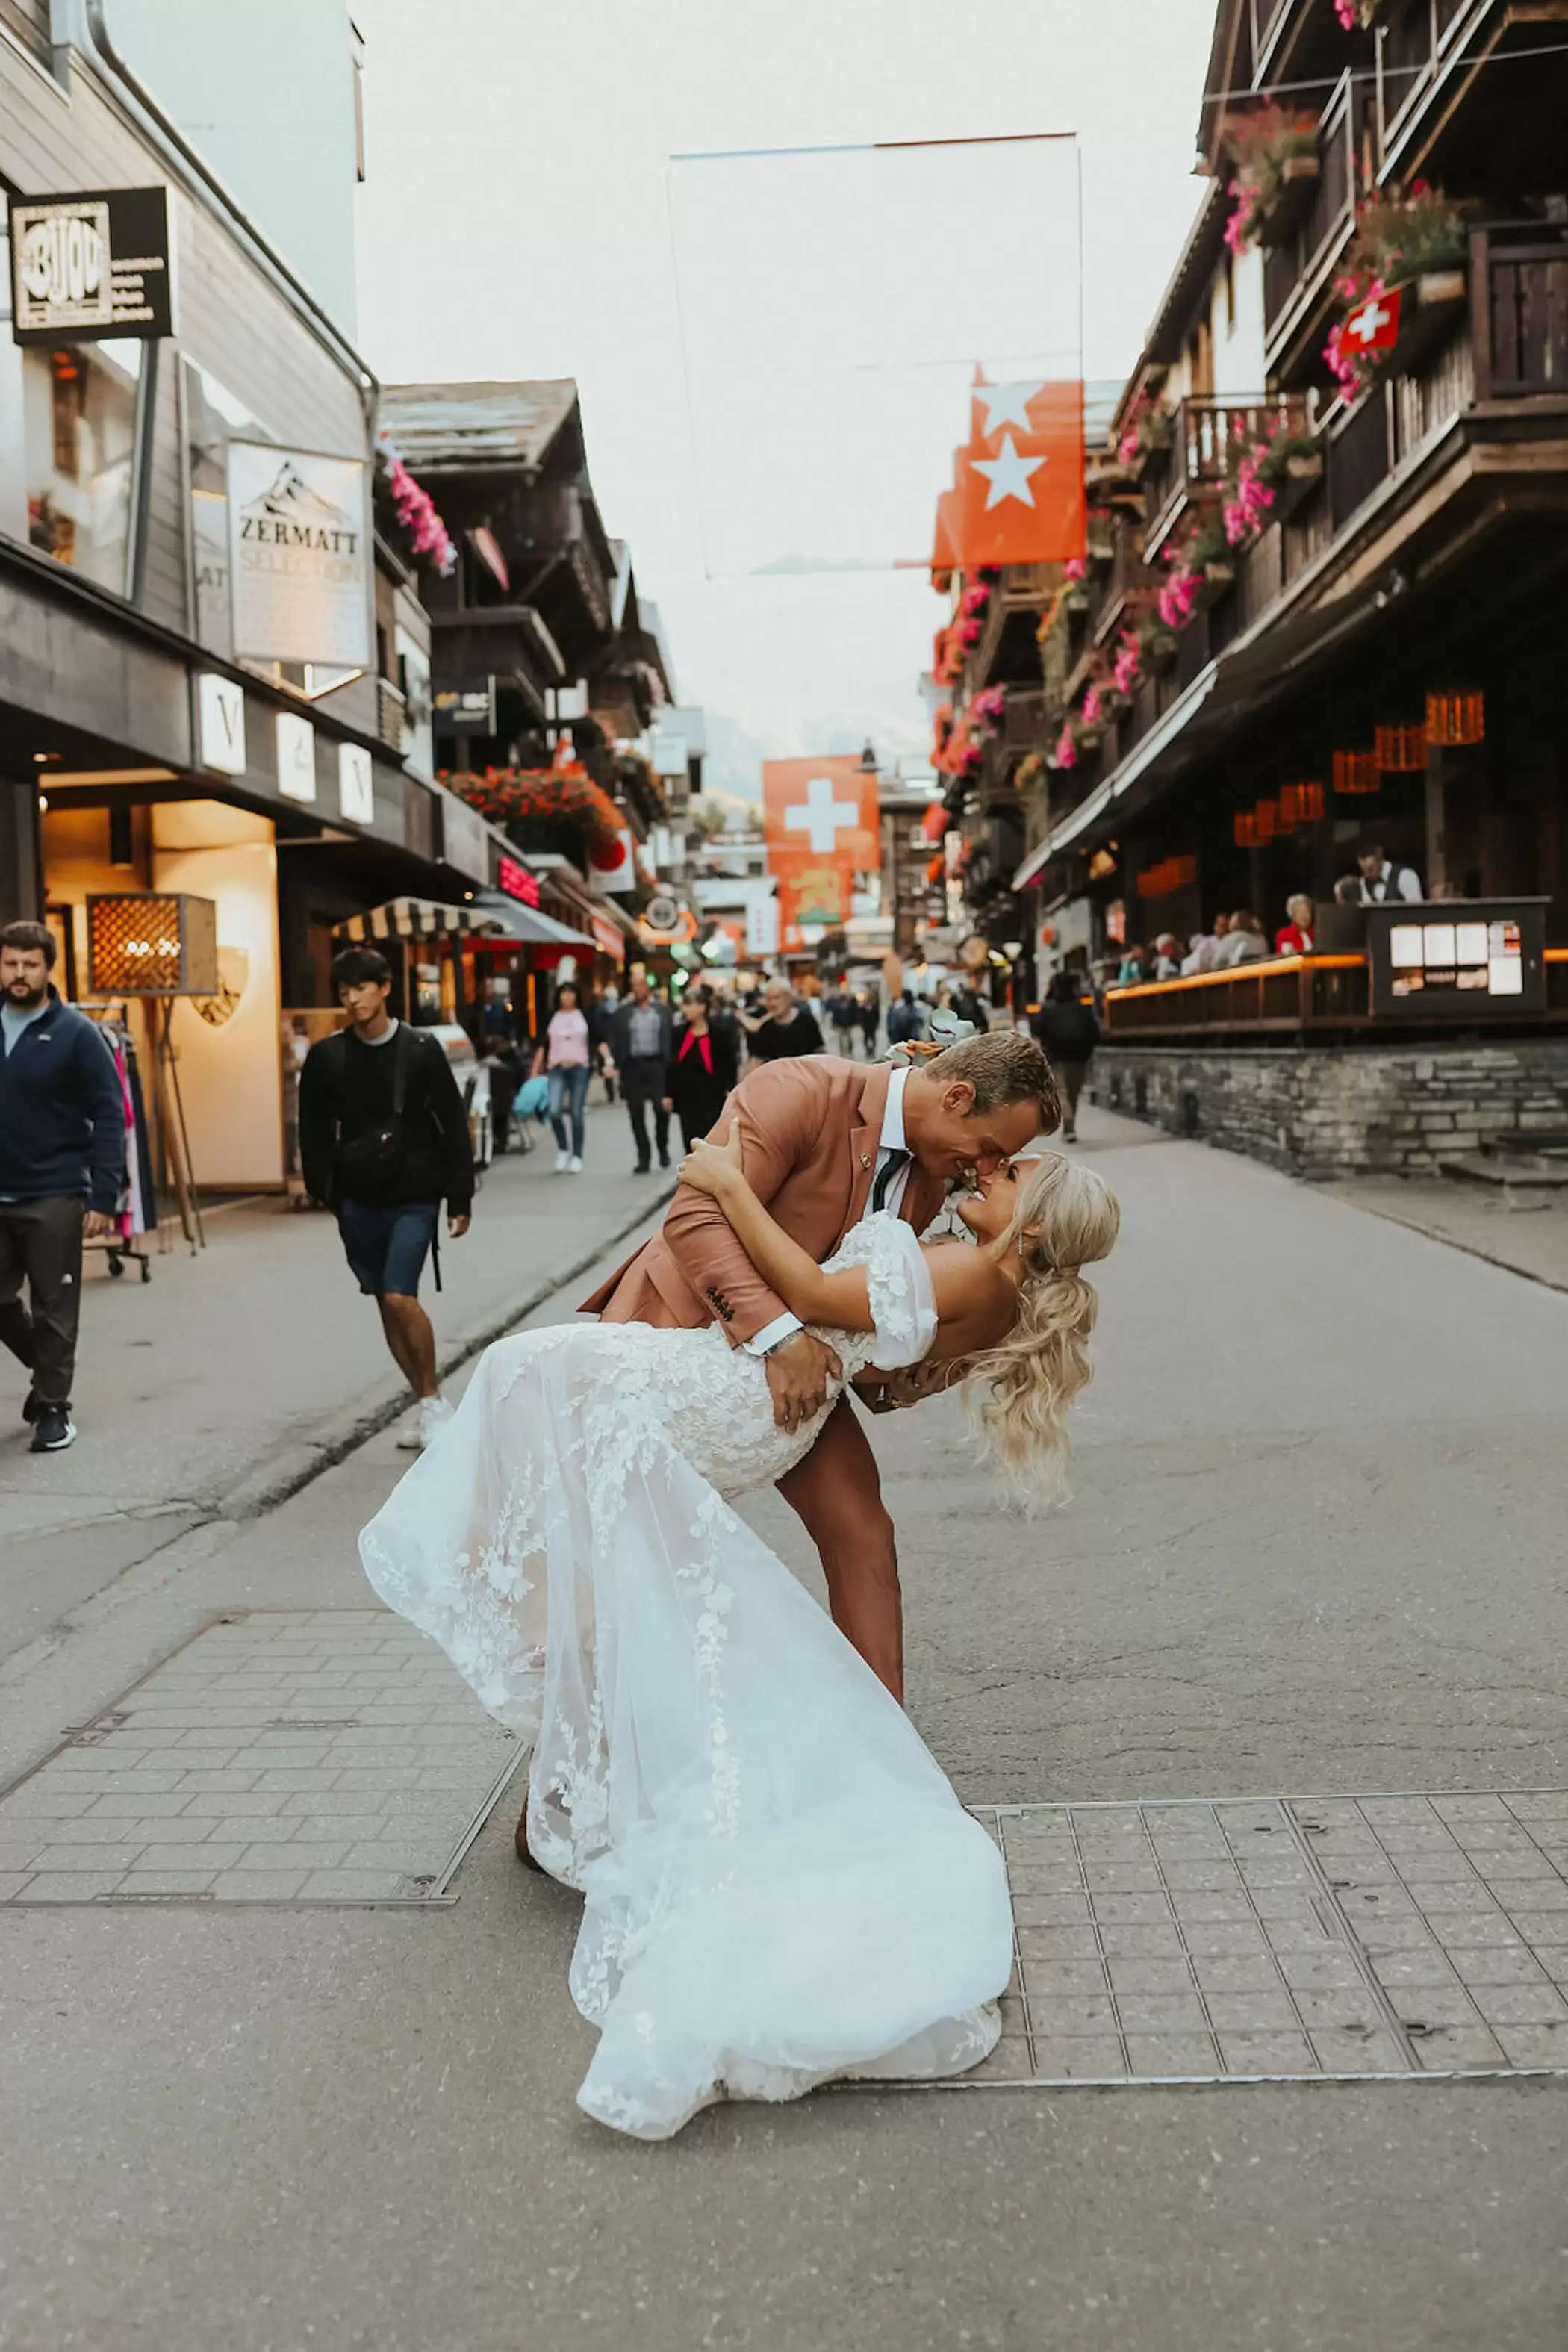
(1316, 1546)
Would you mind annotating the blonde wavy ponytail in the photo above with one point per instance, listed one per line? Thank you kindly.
(1020, 1393)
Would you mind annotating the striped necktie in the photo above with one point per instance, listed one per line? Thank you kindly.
(891, 1166)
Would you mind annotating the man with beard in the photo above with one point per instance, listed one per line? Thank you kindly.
(62, 1165)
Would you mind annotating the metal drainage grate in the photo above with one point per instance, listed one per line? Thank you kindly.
(280, 1756)
(1294, 1939)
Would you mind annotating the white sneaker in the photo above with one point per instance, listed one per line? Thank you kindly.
(563, 1161)
(574, 1165)
(430, 1414)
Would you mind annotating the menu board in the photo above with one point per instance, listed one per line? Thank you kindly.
(1465, 959)
(1487, 957)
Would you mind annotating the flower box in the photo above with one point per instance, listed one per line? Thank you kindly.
(1433, 306)
(1161, 647)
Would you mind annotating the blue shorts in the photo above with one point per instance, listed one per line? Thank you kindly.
(387, 1243)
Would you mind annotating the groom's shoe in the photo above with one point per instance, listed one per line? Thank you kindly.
(524, 1851)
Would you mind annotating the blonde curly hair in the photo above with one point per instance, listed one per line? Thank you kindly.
(1018, 1393)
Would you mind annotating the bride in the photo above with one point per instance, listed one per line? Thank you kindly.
(781, 1887)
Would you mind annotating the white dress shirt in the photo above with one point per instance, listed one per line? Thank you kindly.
(891, 1140)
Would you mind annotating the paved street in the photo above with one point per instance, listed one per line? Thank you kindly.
(1314, 1551)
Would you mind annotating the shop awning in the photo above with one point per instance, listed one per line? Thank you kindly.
(509, 918)
(416, 919)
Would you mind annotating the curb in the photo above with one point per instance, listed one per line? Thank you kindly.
(289, 1467)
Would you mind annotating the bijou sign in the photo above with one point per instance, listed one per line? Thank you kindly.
(299, 555)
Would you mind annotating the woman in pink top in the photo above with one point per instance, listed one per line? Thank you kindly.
(566, 1057)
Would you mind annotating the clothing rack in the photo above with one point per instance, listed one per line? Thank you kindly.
(137, 1196)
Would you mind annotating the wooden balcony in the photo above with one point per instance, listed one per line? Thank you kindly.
(1298, 273)
(1192, 472)
(1023, 588)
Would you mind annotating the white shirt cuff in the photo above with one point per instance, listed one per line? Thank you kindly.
(783, 1327)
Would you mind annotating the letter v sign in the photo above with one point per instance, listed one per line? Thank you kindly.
(220, 723)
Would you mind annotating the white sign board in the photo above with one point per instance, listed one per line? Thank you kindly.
(220, 723)
(296, 757)
(763, 928)
(666, 753)
(356, 783)
(465, 839)
(300, 556)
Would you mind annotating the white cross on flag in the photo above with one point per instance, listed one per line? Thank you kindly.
(820, 814)
(1372, 325)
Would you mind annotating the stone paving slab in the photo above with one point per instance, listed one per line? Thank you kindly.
(1285, 1938)
(280, 1756)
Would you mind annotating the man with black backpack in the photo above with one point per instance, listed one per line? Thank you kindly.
(383, 1139)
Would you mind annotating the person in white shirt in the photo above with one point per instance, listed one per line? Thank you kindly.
(1381, 880)
(1243, 943)
(1206, 946)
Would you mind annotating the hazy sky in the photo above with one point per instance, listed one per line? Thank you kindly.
(521, 217)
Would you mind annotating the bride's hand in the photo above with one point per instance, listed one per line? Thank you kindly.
(716, 1168)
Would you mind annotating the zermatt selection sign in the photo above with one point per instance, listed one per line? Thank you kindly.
(89, 265)
(298, 556)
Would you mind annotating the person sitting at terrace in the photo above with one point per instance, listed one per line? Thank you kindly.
(1133, 968)
(1295, 937)
(1167, 956)
(1243, 943)
(1204, 946)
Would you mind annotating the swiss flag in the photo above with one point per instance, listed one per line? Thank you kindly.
(821, 812)
(1372, 325)
(1020, 480)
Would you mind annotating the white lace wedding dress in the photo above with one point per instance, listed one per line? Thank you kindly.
(780, 1886)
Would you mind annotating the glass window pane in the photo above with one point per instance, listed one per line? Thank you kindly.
(79, 410)
(212, 417)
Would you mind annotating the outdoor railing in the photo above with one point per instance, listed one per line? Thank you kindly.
(1206, 436)
(1285, 992)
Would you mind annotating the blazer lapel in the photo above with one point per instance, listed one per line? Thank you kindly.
(865, 1142)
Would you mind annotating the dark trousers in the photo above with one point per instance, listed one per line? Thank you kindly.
(642, 1084)
(40, 1243)
(1072, 1075)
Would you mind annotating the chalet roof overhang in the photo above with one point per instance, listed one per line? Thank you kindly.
(1496, 469)
(480, 427)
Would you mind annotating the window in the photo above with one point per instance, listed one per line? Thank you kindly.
(79, 433)
(213, 417)
(72, 418)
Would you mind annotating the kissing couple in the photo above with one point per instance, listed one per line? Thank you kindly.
(779, 1886)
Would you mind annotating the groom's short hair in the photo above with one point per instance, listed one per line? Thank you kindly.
(1004, 1067)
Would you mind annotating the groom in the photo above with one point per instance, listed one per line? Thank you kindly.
(825, 1141)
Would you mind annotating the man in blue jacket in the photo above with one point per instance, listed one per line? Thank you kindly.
(62, 1165)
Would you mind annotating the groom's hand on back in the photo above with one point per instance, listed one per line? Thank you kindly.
(799, 1376)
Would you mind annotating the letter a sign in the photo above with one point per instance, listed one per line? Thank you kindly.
(298, 556)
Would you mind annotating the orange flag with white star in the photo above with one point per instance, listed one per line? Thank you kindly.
(1020, 480)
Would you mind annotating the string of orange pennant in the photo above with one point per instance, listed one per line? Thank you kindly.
(1017, 493)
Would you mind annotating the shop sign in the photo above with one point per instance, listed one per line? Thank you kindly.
(763, 928)
(220, 723)
(296, 757)
(298, 556)
(465, 839)
(666, 753)
(612, 865)
(356, 785)
(662, 912)
(464, 706)
(92, 265)
(517, 882)
(607, 939)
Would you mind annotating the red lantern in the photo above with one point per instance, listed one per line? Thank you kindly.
(1400, 750)
(1455, 718)
(1355, 772)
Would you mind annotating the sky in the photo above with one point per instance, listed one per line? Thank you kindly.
(767, 346)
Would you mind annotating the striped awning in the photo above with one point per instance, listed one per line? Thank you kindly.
(415, 918)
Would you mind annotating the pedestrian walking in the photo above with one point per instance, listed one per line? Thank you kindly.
(703, 1068)
(786, 1028)
(62, 1169)
(906, 1021)
(566, 1060)
(844, 1013)
(383, 1140)
(1068, 1031)
(641, 1032)
(870, 1022)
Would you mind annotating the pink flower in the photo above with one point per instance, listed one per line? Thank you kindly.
(1345, 11)
(1092, 708)
(1076, 568)
(1128, 667)
(1066, 754)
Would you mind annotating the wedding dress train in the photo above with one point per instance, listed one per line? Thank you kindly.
(780, 1886)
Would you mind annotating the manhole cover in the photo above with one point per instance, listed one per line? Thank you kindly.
(1285, 1938)
(284, 1755)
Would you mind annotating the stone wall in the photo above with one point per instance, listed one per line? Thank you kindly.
(1322, 1112)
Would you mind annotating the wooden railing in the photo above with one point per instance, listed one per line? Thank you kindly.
(1206, 436)
(1522, 319)
(1285, 992)
(1298, 273)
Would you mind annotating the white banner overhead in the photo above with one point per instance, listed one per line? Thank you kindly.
(300, 556)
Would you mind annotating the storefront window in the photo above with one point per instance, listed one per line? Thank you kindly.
(213, 416)
(79, 431)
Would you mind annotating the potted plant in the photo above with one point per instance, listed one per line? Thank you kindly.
(1275, 153)
(1354, 13)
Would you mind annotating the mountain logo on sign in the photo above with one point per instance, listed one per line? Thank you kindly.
(291, 514)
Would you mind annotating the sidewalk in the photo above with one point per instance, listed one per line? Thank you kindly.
(232, 1377)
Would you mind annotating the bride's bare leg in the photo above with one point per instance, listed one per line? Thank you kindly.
(836, 1491)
